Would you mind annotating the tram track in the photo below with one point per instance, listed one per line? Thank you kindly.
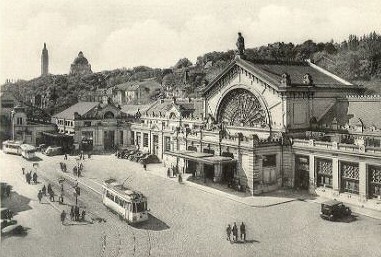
(115, 242)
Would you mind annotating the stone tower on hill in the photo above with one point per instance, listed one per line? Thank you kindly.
(44, 61)
(80, 66)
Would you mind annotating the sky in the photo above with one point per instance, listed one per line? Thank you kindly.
(157, 33)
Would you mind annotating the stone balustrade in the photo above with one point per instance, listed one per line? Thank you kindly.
(337, 146)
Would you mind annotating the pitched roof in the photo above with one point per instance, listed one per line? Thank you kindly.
(186, 106)
(81, 108)
(271, 72)
(274, 70)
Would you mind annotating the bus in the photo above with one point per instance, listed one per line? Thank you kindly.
(28, 151)
(130, 205)
(13, 147)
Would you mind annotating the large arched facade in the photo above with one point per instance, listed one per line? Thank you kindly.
(240, 107)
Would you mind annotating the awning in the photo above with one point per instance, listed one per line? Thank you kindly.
(206, 158)
(52, 134)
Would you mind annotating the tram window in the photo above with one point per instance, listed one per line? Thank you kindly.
(140, 206)
(117, 199)
(134, 207)
(109, 195)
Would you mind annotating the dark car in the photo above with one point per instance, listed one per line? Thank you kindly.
(333, 210)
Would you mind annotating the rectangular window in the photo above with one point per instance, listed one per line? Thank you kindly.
(19, 121)
(145, 140)
(374, 173)
(269, 160)
(349, 177)
(138, 138)
(167, 144)
(324, 172)
(87, 123)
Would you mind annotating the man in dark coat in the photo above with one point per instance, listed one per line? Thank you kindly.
(35, 178)
(39, 195)
(43, 190)
(63, 216)
(235, 232)
(228, 232)
(242, 229)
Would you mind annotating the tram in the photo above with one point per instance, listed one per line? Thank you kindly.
(130, 205)
(13, 147)
(28, 151)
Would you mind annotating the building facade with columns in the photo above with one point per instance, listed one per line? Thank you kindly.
(255, 125)
(94, 126)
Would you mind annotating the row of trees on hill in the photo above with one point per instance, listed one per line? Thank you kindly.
(355, 59)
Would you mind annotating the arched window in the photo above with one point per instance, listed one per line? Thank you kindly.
(108, 115)
(241, 108)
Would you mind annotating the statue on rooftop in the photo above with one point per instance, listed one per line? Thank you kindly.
(240, 44)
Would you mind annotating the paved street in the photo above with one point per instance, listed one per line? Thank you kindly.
(185, 220)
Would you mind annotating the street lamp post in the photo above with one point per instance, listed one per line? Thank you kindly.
(13, 124)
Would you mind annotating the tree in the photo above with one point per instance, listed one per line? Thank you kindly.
(183, 63)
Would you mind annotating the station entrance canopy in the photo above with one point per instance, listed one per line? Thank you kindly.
(206, 158)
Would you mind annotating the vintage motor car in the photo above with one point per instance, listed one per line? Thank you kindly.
(333, 210)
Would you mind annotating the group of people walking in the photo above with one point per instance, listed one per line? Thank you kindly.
(29, 177)
(75, 214)
(234, 230)
(43, 191)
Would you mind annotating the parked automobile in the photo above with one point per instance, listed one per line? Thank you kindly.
(333, 210)
(150, 158)
(12, 230)
(53, 150)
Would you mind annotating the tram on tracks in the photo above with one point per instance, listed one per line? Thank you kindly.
(130, 205)
(12, 147)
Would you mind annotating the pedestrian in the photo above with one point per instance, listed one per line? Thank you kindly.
(83, 215)
(65, 156)
(168, 172)
(8, 191)
(228, 232)
(79, 172)
(235, 232)
(28, 178)
(88, 155)
(242, 229)
(76, 213)
(35, 178)
(43, 190)
(144, 166)
(39, 195)
(49, 188)
(180, 178)
(72, 213)
(23, 170)
(63, 216)
(51, 195)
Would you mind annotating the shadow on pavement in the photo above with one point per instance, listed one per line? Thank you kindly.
(19, 232)
(152, 223)
(16, 203)
(35, 159)
(246, 242)
(348, 219)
